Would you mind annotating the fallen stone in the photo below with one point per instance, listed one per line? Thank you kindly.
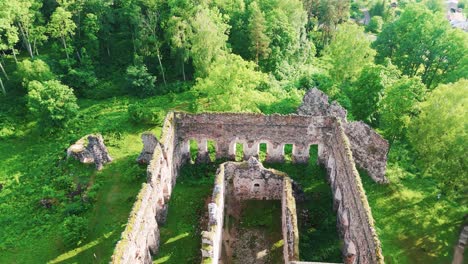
(94, 152)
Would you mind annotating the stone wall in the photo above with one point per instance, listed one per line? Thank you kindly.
(242, 178)
(252, 129)
(368, 147)
(140, 239)
(212, 238)
(289, 223)
(355, 222)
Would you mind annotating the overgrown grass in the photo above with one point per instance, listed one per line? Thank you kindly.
(33, 166)
(318, 239)
(181, 234)
(416, 222)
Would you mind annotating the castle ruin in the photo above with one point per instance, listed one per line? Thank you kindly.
(328, 130)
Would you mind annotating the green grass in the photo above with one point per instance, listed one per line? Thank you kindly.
(181, 234)
(318, 239)
(33, 166)
(413, 224)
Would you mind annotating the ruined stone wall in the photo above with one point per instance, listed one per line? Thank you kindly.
(212, 238)
(252, 129)
(241, 178)
(289, 223)
(355, 221)
(140, 239)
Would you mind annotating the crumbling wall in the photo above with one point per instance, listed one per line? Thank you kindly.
(252, 129)
(140, 239)
(368, 147)
(355, 222)
(289, 223)
(94, 152)
(212, 238)
(253, 182)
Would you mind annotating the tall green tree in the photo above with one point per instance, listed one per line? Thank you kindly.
(368, 90)
(179, 32)
(399, 105)
(61, 26)
(209, 39)
(439, 135)
(232, 85)
(149, 35)
(260, 42)
(423, 44)
(348, 53)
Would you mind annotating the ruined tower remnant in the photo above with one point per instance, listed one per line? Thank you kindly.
(368, 147)
(94, 152)
(140, 240)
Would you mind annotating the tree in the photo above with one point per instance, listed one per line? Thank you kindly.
(423, 44)
(33, 70)
(52, 102)
(208, 41)
(232, 85)
(26, 18)
(150, 43)
(369, 89)
(348, 53)
(8, 31)
(399, 105)
(62, 26)
(140, 82)
(179, 31)
(259, 40)
(375, 24)
(439, 135)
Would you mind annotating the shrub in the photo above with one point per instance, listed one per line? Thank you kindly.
(375, 24)
(140, 82)
(144, 115)
(74, 230)
(52, 102)
(35, 70)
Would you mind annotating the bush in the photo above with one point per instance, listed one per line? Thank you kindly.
(35, 70)
(74, 230)
(375, 24)
(140, 82)
(140, 114)
(52, 102)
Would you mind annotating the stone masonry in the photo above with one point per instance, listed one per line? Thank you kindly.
(368, 147)
(140, 240)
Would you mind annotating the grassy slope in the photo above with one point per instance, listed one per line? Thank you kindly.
(414, 226)
(31, 164)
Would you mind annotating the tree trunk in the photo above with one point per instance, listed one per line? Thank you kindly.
(183, 69)
(26, 41)
(162, 68)
(64, 42)
(14, 55)
(3, 87)
(4, 72)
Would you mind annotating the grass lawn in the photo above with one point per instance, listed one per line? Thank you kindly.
(413, 224)
(181, 234)
(33, 166)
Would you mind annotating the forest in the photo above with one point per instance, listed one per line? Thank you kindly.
(116, 67)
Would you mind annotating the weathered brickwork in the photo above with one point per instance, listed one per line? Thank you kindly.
(368, 147)
(140, 239)
(250, 181)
